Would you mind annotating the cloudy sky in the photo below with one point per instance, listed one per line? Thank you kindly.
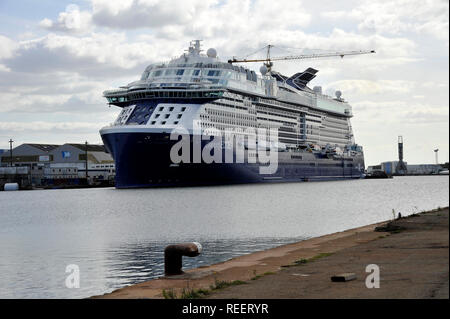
(57, 57)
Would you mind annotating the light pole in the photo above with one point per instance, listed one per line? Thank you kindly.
(10, 152)
(86, 153)
(436, 151)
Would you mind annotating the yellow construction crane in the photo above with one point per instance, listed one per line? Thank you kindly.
(268, 60)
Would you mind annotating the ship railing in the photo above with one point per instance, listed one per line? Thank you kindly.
(115, 91)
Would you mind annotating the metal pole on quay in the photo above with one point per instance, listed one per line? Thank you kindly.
(86, 154)
(10, 152)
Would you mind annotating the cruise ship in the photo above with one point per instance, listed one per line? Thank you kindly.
(195, 93)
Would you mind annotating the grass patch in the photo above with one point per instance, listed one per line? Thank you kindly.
(194, 293)
(221, 284)
(169, 294)
(322, 255)
(301, 261)
(262, 275)
(390, 227)
(187, 293)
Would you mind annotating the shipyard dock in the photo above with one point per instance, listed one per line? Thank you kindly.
(412, 255)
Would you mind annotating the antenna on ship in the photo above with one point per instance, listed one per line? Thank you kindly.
(268, 60)
(195, 47)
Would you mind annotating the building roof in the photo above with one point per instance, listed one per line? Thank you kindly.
(43, 147)
(90, 147)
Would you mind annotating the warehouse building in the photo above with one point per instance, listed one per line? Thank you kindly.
(1, 152)
(62, 164)
(412, 169)
(69, 161)
(33, 156)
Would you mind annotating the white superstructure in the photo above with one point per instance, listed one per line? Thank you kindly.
(241, 99)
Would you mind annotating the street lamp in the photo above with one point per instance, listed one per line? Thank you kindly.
(10, 152)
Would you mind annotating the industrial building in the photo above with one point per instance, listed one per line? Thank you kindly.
(1, 152)
(402, 168)
(50, 164)
(390, 168)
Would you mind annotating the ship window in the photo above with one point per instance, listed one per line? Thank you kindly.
(171, 109)
(213, 73)
(166, 116)
(179, 116)
(157, 73)
(161, 108)
(145, 75)
(176, 122)
(196, 72)
(163, 122)
(156, 116)
(183, 109)
(180, 72)
(153, 122)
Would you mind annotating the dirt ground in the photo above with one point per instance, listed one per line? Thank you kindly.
(413, 263)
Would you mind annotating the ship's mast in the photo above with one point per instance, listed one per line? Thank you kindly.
(194, 47)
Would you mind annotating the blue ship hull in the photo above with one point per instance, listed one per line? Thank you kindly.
(143, 160)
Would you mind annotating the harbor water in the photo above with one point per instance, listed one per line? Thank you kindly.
(117, 237)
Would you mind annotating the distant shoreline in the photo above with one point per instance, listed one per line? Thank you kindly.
(112, 186)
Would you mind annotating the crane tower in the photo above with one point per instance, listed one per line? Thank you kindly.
(401, 168)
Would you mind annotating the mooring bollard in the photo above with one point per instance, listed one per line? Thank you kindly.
(173, 255)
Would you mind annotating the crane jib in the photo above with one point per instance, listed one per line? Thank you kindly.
(303, 56)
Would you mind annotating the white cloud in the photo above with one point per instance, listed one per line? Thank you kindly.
(429, 17)
(51, 132)
(96, 54)
(130, 14)
(373, 87)
(72, 20)
(7, 47)
(201, 18)
(42, 126)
